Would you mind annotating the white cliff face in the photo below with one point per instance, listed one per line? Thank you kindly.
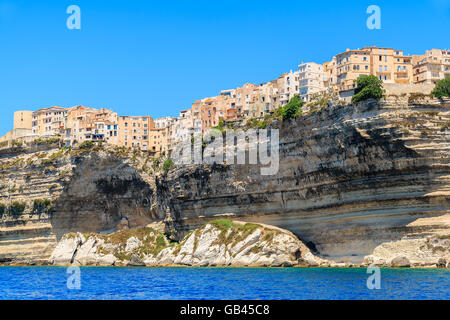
(77, 250)
(219, 243)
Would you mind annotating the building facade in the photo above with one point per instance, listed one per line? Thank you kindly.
(135, 132)
(311, 80)
(431, 67)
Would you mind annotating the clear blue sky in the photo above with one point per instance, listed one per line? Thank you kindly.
(157, 57)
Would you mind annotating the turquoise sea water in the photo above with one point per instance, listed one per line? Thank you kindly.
(221, 283)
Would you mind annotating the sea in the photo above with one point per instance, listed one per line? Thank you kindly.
(142, 283)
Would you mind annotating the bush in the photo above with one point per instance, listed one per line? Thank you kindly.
(86, 145)
(16, 208)
(46, 141)
(168, 164)
(292, 109)
(41, 205)
(368, 87)
(442, 89)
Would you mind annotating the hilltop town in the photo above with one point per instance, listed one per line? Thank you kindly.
(311, 81)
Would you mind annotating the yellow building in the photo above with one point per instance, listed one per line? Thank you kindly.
(89, 124)
(49, 121)
(135, 132)
(387, 64)
(431, 67)
(23, 120)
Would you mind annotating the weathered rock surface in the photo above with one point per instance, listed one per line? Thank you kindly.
(351, 179)
(220, 243)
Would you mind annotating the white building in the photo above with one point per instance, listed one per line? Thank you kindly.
(311, 80)
(182, 127)
(289, 86)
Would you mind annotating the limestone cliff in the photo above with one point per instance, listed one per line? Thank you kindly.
(352, 178)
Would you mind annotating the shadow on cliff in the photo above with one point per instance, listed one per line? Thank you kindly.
(103, 194)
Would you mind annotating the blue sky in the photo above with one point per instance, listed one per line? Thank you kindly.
(157, 57)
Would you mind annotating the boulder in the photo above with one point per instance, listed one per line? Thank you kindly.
(400, 262)
(135, 261)
(441, 263)
(106, 260)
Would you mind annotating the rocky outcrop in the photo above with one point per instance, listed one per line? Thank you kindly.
(219, 243)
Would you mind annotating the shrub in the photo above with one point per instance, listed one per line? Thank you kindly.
(16, 208)
(41, 205)
(168, 164)
(292, 109)
(442, 89)
(2, 209)
(156, 163)
(16, 143)
(86, 145)
(46, 141)
(368, 87)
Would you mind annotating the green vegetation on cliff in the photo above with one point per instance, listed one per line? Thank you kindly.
(442, 89)
(368, 87)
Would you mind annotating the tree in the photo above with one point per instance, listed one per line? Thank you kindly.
(368, 87)
(168, 164)
(292, 108)
(442, 89)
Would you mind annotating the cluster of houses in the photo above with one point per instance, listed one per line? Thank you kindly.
(79, 123)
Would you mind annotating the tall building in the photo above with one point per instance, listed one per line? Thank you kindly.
(182, 127)
(23, 120)
(311, 80)
(49, 121)
(135, 132)
(431, 67)
(288, 85)
(388, 64)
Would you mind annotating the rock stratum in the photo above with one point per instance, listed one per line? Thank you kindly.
(367, 183)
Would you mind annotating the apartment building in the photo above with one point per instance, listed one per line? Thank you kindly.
(311, 80)
(246, 98)
(228, 98)
(288, 85)
(135, 132)
(267, 99)
(329, 70)
(431, 67)
(49, 121)
(89, 124)
(388, 64)
(182, 127)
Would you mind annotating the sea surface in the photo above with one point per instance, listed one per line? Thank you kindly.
(220, 283)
